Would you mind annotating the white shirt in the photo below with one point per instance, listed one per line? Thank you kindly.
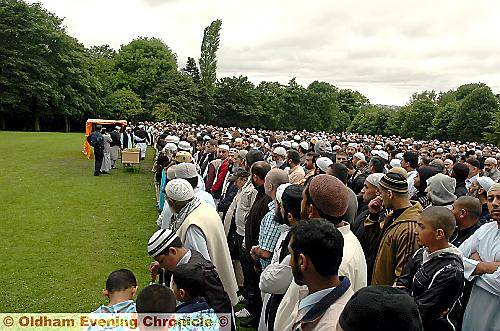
(412, 190)
(486, 242)
(277, 276)
(196, 240)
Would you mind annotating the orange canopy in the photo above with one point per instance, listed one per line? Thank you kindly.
(88, 130)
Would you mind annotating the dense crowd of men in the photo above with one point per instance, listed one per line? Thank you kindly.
(324, 231)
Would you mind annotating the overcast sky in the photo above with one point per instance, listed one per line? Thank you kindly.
(385, 49)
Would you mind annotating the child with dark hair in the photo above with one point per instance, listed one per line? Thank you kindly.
(120, 290)
(156, 299)
(188, 286)
(434, 276)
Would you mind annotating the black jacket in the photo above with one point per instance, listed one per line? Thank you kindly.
(216, 296)
(436, 287)
(460, 189)
(193, 306)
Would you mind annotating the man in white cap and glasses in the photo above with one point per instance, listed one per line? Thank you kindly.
(481, 260)
(166, 248)
(199, 227)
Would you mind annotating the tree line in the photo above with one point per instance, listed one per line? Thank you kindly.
(50, 81)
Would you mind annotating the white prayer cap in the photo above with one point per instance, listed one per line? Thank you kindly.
(280, 190)
(295, 145)
(336, 147)
(378, 147)
(374, 178)
(171, 172)
(497, 155)
(439, 150)
(384, 155)
(185, 170)
(206, 137)
(160, 240)
(224, 147)
(304, 145)
(485, 182)
(490, 160)
(286, 144)
(179, 190)
(360, 156)
(323, 163)
(176, 140)
(261, 140)
(494, 187)
(118, 127)
(395, 163)
(448, 161)
(296, 137)
(352, 145)
(185, 146)
(170, 139)
(171, 147)
(238, 140)
(280, 151)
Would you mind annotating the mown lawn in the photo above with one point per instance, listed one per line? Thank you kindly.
(62, 230)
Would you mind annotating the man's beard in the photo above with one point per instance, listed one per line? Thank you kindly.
(298, 277)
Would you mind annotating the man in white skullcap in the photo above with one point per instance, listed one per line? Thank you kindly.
(200, 228)
(481, 264)
(166, 248)
(490, 169)
(141, 138)
(279, 158)
(221, 171)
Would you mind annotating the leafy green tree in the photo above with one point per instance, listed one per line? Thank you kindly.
(191, 69)
(351, 102)
(125, 104)
(441, 123)
(236, 103)
(474, 115)
(420, 113)
(142, 64)
(271, 99)
(370, 120)
(208, 58)
(177, 93)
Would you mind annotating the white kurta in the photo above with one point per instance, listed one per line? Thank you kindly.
(482, 312)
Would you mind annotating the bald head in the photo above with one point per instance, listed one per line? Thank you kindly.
(274, 178)
(471, 206)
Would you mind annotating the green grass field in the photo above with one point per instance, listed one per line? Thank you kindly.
(64, 230)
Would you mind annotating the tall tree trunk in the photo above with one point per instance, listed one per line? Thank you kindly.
(2, 121)
(37, 122)
(67, 127)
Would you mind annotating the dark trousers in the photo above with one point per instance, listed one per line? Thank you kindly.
(251, 290)
(98, 155)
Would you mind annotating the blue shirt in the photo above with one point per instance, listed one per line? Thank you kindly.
(269, 233)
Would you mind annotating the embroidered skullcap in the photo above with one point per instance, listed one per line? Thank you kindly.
(374, 179)
(323, 163)
(171, 172)
(329, 195)
(395, 182)
(224, 147)
(160, 240)
(179, 190)
(485, 182)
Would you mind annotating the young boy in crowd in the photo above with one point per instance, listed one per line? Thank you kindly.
(188, 286)
(156, 299)
(435, 274)
(121, 288)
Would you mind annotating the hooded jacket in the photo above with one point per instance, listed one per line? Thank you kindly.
(436, 282)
